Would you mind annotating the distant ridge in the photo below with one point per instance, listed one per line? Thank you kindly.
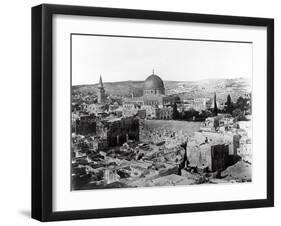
(185, 89)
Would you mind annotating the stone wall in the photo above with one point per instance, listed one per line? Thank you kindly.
(120, 131)
(212, 157)
(86, 125)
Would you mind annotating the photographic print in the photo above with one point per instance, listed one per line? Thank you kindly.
(149, 111)
(139, 104)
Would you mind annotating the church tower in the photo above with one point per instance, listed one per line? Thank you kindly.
(101, 92)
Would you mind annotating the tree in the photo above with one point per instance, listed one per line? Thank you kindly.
(176, 114)
(190, 114)
(205, 114)
(239, 115)
(242, 104)
(229, 107)
(237, 112)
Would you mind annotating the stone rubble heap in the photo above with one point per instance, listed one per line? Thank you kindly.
(164, 157)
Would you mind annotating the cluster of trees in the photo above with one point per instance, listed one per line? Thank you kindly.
(238, 110)
(191, 115)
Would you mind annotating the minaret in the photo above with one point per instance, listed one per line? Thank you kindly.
(215, 104)
(101, 92)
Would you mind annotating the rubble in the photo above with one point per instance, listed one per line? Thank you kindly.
(240, 172)
(163, 156)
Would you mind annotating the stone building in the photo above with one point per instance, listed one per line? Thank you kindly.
(150, 111)
(221, 122)
(130, 109)
(212, 157)
(154, 92)
(120, 130)
(153, 85)
(171, 100)
(164, 113)
(86, 125)
(154, 100)
(141, 113)
(95, 109)
(213, 151)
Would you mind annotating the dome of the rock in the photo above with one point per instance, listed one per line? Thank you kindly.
(154, 85)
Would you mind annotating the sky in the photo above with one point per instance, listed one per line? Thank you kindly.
(124, 58)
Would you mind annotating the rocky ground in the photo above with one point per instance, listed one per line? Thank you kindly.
(159, 160)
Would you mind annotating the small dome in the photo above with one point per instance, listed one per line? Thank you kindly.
(153, 82)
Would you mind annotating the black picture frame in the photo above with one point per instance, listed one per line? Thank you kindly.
(42, 111)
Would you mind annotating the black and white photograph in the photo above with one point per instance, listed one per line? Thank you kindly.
(145, 112)
(155, 111)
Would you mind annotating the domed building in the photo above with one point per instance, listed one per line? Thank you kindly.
(153, 85)
(154, 101)
(153, 90)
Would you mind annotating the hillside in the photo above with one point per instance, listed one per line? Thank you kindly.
(185, 89)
